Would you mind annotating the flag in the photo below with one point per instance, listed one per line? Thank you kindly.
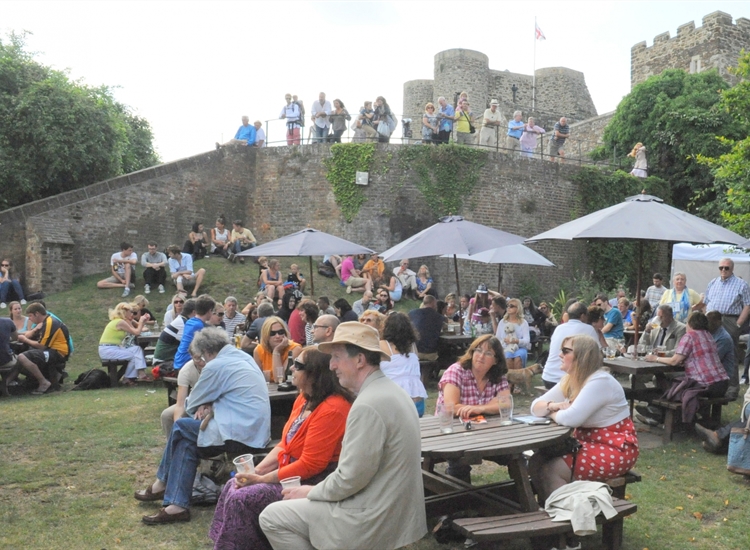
(539, 33)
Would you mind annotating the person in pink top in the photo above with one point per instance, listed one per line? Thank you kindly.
(528, 139)
(351, 277)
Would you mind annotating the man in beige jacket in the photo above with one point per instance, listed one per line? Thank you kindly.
(375, 498)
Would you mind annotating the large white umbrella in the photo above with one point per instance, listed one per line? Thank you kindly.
(307, 242)
(512, 254)
(641, 218)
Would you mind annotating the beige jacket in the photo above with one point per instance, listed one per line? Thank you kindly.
(375, 498)
(675, 331)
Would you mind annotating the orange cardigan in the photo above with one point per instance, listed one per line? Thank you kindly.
(317, 442)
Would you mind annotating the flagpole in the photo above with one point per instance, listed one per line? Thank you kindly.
(533, 74)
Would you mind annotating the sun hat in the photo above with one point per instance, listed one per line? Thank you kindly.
(357, 334)
(482, 289)
(494, 102)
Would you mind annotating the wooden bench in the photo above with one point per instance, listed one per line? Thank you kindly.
(170, 382)
(673, 412)
(619, 484)
(539, 524)
(116, 369)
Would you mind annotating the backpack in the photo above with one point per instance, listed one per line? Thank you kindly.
(301, 112)
(94, 379)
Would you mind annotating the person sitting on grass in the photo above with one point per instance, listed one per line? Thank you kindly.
(49, 347)
(154, 268)
(117, 342)
(425, 283)
(230, 401)
(351, 278)
(122, 265)
(296, 277)
(344, 311)
(8, 280)
(242, 239)
(197, 242)
(181, 268)
(309, 448)
(272, 283)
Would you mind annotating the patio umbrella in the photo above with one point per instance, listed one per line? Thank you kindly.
(641, 218)
(308, 242)
(512, 254)
(452, 235)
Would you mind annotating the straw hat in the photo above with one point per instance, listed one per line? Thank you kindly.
(357, 334)
(494, 102)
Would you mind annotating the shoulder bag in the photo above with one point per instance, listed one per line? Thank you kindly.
(738, 460)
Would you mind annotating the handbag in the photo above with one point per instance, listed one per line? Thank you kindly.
(569, 445)
(384, 129)
(738, 459)
(472, 129)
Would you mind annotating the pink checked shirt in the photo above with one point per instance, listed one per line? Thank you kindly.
(464, 380)
(702, 361)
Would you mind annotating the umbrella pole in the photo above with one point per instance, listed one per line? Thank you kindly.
(499, 277)
(312, 283)
(458, 293)
(637, 297)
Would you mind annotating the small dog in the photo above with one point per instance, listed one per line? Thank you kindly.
(510, 330)
(94, 379)
(522, 377)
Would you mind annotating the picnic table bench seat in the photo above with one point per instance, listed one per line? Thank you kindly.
(539, 524)
(115, 368)
(673, 412)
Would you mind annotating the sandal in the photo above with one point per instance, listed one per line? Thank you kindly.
(40, 391)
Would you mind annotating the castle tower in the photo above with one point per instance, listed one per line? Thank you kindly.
(715, 45)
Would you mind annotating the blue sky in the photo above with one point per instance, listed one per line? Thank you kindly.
(192, 68)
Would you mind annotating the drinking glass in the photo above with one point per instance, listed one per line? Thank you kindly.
(506, 410)
(445, 414)
(278, 374)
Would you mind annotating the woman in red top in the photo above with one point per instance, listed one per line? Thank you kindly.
(309, 448)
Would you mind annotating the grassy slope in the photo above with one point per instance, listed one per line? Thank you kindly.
(71, 461)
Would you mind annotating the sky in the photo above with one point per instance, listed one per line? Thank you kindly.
(193, 68)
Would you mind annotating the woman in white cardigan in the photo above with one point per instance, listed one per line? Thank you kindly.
(590, 400)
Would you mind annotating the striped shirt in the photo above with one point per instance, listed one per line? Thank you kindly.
(729, 296)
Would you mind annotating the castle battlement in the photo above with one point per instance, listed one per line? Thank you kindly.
(714, 45)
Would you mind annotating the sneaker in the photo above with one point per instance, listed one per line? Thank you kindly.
(348, 290)
(231, 257)
(23, 302)
(161, 289)
(743, 381)
(125, 292)
(3, 305)
(147, 289)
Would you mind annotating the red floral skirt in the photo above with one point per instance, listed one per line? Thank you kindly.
(606, 452)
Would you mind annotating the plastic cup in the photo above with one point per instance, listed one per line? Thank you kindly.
(506, 411)
(244, 464)
(290, 482)
(267, 376)
(445, 414)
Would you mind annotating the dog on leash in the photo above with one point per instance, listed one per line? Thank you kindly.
(521, 378)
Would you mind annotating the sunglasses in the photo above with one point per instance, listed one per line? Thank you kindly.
(219, 314)
(299, 366)
(724, 268)
(566, 351)
(4, 265)
(512, 306)
(179, 302)
(281, 332)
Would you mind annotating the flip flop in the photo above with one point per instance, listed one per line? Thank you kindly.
(41, 392)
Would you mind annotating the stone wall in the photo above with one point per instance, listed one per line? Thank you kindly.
(588, 134)
(279, 191)
(715, 45)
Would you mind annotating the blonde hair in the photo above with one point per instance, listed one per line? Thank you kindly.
(635, 149)
(140, 301)
(426, 270)
(119, 311)
(519, 312)
(378, 320)
(430, 104)
(587, 359)
(265, 332)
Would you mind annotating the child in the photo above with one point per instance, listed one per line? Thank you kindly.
(262, 265)
(296, 277)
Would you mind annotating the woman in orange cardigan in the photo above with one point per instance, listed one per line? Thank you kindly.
(309, 448)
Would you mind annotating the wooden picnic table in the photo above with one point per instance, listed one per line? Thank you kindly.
(451, 347)
(147, 339)
(638, 369)
(486, 441)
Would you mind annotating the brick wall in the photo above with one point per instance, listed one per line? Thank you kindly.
(281, 190)
(716, 44)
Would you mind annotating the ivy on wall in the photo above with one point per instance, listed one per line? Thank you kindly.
(446, 174)
(345, 161)
(611, 263)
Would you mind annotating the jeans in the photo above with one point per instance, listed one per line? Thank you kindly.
(153, 277)
(238, 247)
(320, 134)
(5, 288)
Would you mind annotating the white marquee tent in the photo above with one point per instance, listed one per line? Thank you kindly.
(700, 263)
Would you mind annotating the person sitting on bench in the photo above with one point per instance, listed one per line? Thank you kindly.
(593, 402)
(115, 344)
(717, 442)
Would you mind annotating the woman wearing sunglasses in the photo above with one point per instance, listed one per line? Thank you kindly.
(590, 400)
(275, 345)
(309, 448)
(114, 346)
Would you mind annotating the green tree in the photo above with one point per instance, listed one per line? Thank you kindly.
(57, 135)
(732, 169)
(677, 117)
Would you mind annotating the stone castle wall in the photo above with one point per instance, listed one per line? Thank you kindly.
(715, 45)
(559, 91)
(278, 191)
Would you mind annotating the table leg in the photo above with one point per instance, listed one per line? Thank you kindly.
(520, 475)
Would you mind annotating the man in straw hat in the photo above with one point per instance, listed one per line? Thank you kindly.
(375, 497)
(493, 121)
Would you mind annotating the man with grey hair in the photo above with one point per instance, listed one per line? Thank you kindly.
(375, 497)
(557, 142)
(730, 296)
(669, 331)
(245, 135)
(552, 373)
(446, 115)
(232, 317)
(365, 303)
(515, 132)
(324, 328)
(492, 122)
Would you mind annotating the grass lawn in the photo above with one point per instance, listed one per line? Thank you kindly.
(71, 460)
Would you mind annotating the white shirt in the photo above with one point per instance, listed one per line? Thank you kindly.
(600, 403)
(322, 122)
(260, 135)
(291, 113)
(552, 372)
(117, 257)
